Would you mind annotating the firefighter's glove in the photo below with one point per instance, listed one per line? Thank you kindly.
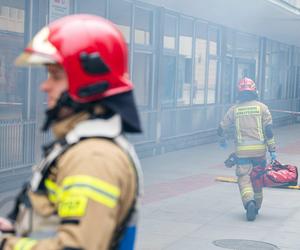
(273, 156)
(231, 160)
(223, 143)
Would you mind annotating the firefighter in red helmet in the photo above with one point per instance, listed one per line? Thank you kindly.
(252, 124)
(84, 193)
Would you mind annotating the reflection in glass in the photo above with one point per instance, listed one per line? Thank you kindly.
(185, 63)
(143, 27)
(12, 84)
(277, 68)
(212, 81)
(213, 41)
(95, 7)
(142, 77)
(247, 46)
(226, 84)
(169, 76)
(120, 14)
(170, 28)
(200, 62)
(200, 59)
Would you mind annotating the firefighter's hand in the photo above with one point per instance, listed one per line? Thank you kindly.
(5, 225)
(273, 156)
(223, 143)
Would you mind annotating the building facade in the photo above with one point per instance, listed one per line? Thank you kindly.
(184, 67)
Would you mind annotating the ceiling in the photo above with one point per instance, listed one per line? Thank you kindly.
(261, 17)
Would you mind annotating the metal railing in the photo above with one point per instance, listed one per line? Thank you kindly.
(17, 147)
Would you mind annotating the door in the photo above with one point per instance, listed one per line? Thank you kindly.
(244, 68)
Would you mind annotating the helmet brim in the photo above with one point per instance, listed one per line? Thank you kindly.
(33, 59)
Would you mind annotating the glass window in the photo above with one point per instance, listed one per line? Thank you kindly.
(200, 62)
(272, 87)
(212, 81)
(277, 64)
(246, 46)
(185, 62)
(143, 26)
(169, 77)
(4, 11)
(229, 36)
(298, 85)
(12, 19)
(227, 82)
(120, 14)
(170, 31)
(284, 55)
(213, 41)
(142, 77)
(12, 85)
(96, 7)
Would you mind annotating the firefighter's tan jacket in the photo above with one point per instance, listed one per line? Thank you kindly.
(90, 190)
(249, 120)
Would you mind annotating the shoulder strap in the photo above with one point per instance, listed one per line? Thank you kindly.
(132, 212)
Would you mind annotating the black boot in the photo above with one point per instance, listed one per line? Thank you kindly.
(251, 211)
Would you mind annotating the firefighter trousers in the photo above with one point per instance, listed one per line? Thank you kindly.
(248, 191)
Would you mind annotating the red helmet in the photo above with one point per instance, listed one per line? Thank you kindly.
(93, 53)
(91, 50)
(246, 84)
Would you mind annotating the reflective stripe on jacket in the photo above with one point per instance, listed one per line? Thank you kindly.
(249, 119)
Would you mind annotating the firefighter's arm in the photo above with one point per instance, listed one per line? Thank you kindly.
(89, 202)
(227, 121)
(223, 127)
(268, 130)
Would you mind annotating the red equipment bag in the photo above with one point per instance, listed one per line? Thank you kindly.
(275, 175)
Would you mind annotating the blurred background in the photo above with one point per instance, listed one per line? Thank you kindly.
(185, 60)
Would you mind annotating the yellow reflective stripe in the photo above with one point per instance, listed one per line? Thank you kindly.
(25, 244)
(92, 194)
(246, 191)
(247, 110)
(53, 190)
(251, 147)
(91, 181)
(238, 131)
(73, 206)
(259, 128)
(271, 141)
(92, 188)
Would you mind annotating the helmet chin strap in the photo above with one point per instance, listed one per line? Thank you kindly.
(64, 107)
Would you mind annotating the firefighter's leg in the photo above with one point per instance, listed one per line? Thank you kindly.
(258, 186)
(258, 196)
(244, 182)
(246, 190)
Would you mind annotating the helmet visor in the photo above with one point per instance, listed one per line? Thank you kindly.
(39, 51)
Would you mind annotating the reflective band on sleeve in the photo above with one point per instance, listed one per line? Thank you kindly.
(25, 244)
(53, 190)
(251, 147)
(72, 206)
(91, 187)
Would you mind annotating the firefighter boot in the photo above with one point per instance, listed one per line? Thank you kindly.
(251, 211)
